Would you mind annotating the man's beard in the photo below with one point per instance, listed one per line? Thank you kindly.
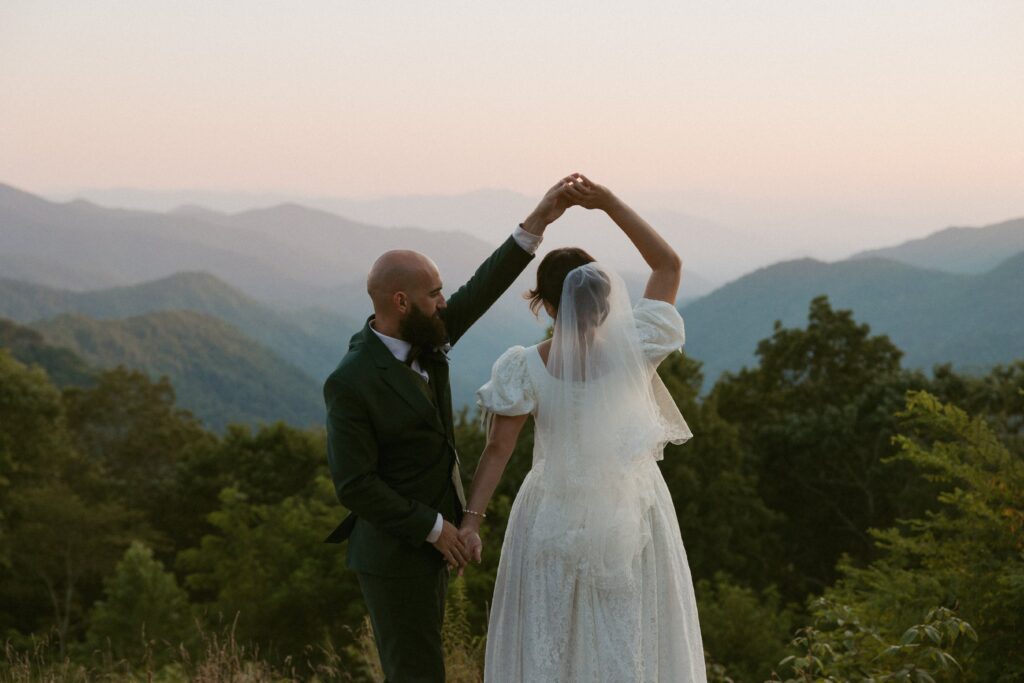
(422, 330)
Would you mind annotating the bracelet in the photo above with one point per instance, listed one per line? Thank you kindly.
(474, 512)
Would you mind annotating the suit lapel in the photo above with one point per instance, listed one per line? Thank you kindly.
(402, 380)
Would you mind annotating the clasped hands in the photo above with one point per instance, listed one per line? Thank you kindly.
(459, 546)
(574, 189)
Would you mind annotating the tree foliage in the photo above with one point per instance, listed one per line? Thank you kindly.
(967, 555)
(144, 614)
(816, 417)
(834, 529)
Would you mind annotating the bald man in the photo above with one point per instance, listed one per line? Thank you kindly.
(390, 441)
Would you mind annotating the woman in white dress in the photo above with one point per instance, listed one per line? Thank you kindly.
(593, 582)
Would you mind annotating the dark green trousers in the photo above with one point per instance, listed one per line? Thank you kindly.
(407, 614)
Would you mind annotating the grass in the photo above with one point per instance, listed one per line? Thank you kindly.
(221, 658)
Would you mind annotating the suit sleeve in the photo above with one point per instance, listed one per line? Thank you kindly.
(352, 457)
(489, 282)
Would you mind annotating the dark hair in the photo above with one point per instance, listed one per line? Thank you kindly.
(591, 301)
(551, 275)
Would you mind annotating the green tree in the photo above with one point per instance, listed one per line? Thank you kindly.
(130, 430)
(265, 465)
(996, 395)
(967, 555)
(817, 417)
(32, 435)
(62, 541)
(267, 564)
(144, 614)
(747, 631)
(57, 541)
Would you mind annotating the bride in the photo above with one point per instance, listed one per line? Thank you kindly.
(593, 582)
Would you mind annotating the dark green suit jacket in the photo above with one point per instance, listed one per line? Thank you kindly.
(390, 443)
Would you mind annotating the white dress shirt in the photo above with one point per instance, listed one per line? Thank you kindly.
(400, 348)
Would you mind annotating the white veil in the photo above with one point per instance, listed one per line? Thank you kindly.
(604, 417)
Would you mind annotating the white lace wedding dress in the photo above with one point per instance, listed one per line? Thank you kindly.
(593, 582)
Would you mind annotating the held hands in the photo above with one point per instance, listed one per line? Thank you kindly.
(474, 546)
(583, 192)
(451, 545)
(471, 538)
(550, 208)
(573, 189)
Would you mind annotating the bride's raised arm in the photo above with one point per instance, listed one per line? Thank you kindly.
(666, 266)
(501, 440)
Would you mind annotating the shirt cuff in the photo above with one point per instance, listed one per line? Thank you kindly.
(527, 240)
(435, 533)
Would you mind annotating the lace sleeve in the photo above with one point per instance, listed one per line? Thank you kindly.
(509, 391)
(660, 328)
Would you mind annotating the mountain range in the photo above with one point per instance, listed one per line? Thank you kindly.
(972, 321)
(285, 255)
(708, 247)
(958, 250)
(283, 288)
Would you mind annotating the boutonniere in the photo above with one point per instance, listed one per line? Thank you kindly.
(440, 353)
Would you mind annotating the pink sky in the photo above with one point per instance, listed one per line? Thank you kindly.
(909, 112)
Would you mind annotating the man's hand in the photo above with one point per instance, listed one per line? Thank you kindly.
(552, 205)
(589, 194)
(452, 547)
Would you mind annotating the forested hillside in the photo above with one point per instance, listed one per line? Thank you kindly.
(312, 340)
(217, 372)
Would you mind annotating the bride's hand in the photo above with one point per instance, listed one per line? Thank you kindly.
(588, 194)
(473, 543)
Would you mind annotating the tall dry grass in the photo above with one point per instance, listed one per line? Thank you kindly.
(221, 657)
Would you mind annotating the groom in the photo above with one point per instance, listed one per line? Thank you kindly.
(390, 441)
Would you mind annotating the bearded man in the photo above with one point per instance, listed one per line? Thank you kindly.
(390, 441)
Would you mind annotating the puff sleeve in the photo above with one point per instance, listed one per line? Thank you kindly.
(660, 328)
(509, 391)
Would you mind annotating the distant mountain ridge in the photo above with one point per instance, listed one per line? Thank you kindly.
(217, 372)
(958, 250)
(315, 353)
(973, 321)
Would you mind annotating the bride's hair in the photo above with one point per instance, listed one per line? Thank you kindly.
(592, 287)
(551, 276)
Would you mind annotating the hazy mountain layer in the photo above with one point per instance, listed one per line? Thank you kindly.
(285, 255)
(708, 248)
(959, 250)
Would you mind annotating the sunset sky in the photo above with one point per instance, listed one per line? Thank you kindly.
(911, 113)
